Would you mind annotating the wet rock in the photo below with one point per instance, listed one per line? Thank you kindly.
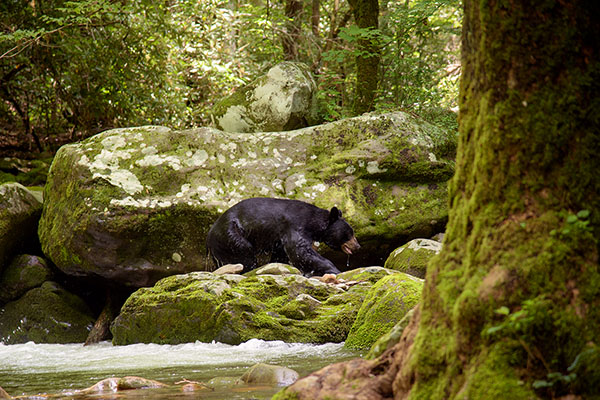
(413, 257)
(234, 308)
(265, 374)
(351, 380)
(20, 211)
(48, 314)
(386, 303)
(25, 272)
(141, 200)
(114, 385)
(281, 100)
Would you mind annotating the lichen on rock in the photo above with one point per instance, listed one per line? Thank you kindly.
(282, 99)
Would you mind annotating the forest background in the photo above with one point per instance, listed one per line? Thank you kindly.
(70, 69)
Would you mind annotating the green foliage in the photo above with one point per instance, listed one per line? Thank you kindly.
(79, 67)
(573, 223)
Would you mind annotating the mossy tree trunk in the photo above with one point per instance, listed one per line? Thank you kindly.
(366, 16)
(511, 307)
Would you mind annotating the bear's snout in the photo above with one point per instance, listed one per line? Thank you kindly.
(350, 246)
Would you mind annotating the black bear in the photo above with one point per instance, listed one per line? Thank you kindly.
(284, 228)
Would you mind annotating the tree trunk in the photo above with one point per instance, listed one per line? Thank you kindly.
(513, 300)
(511, 305)
(291, 35)
(366, 15)
(315, 17)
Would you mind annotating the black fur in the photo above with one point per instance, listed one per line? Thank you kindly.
(284, 228)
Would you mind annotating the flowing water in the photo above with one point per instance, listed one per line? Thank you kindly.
(31, 369)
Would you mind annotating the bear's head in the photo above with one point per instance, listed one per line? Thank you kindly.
(339, 235)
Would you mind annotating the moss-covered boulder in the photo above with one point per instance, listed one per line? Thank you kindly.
(25, 272)
(234, 308)
(281, 100)
(134, 205)
(413, 257)
(391, 338)
(387, 302)
(47, 314)
(20, 211)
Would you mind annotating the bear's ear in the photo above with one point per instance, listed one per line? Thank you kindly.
(334, 215)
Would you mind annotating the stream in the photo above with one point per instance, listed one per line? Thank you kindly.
(58, 369)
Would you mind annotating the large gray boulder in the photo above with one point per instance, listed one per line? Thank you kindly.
(134, 205)
(281, 100)
(20, 210)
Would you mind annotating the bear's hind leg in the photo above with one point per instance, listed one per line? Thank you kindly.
(235, 249)
(278, 254)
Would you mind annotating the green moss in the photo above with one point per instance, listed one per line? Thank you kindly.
(285, 394)
(387, 302)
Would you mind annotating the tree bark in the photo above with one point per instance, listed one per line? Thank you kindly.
(315, 17)
(511, 305)
(508, 306)
(291, 35)
(366, 15)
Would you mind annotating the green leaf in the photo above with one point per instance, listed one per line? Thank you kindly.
(541, 384)
(494, 329)
(503, 310)
(583, 214)
(571, 219)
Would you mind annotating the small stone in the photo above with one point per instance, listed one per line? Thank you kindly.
(229, 269)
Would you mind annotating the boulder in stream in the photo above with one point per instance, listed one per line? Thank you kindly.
(134, 205)
(236, 308)
(25, 272)
(265, 374)
(413, 257)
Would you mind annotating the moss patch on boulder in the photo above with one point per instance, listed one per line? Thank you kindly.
(387, 302)
(234, 309)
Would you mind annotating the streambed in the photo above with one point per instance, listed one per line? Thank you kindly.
(31, 369)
